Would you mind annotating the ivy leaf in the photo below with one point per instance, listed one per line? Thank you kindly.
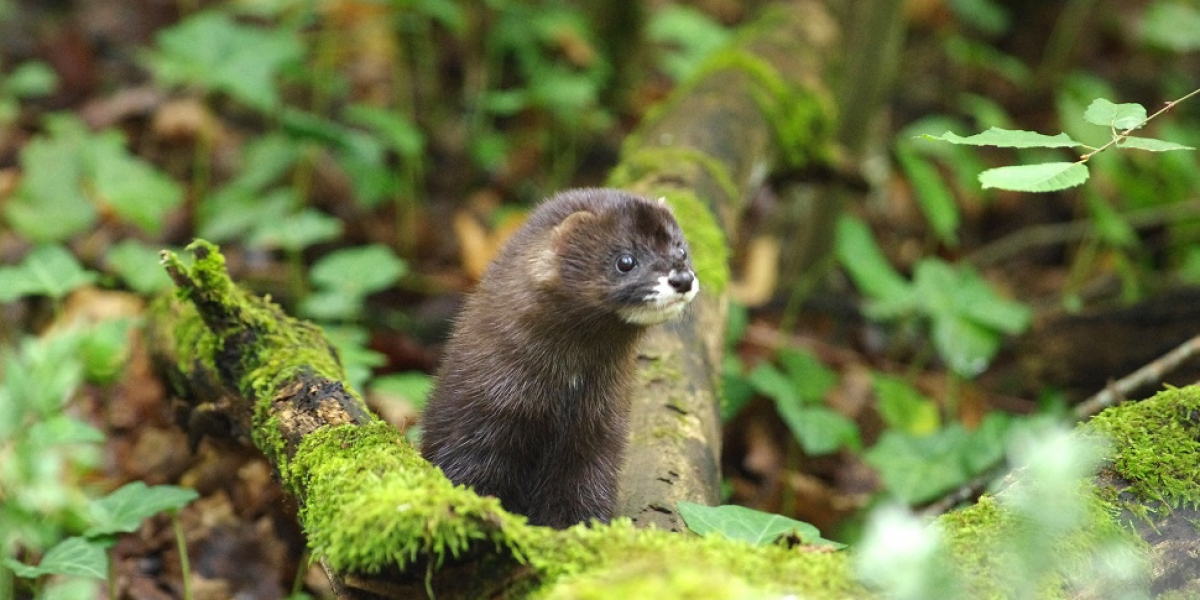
(124, 510)
(1118, 116)
(1151, 144)
(740, 523)
(1008, 138)
(75, 556)
(1044, 177)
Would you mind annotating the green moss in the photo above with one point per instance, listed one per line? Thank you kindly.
(585, 561)
(382, 506)
(984, 543)
(247, 338)
(1157, 448)
(710, 250)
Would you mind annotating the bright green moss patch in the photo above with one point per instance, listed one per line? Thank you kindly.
(245, 337)
(376, 504)
(710, 251)
(1157, 444)
(584, 562)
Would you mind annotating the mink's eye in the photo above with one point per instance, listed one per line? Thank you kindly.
(680, 253)
(626, 263)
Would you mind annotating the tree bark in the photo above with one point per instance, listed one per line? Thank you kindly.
(708, 150)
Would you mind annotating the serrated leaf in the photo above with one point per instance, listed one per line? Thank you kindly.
(1151, 144)
(123, 510)
(75, 556)
(748, 525)
(1008, 138)
(1044, 177)
(1118, 116)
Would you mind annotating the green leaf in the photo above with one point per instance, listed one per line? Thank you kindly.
(105, 350)
(771, 382)
(866, 264)
(138, 192)
(688, 36)
(123, 510)
(1045, 177)
(30, 79)
(62, 430)
(748, 525)
(49, 204)
(1112, 228)
(297, 231)
(138, 266)
(903, 408)
(212, 51)
(401, 134)
(1151, 144)
(234, 211)
(413, 386)
(819, 430)
(919, 469)
(936, 200)
(967, 316)
(1172, 25)
(359, 271)
(810, 378)
(74, 556)
(1117, 116)
(1008, 138)
(46, 271)
(737, 391)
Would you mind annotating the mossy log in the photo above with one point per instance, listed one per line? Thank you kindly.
(385, 523)
(707, 149)
(382, 520)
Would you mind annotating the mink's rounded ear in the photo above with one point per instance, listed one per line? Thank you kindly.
(545, 262)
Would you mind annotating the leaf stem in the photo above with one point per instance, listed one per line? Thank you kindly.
(1122, 136)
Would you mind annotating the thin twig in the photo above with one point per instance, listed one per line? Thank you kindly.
(1120, 137)
(1111, 395)
(1116, 391)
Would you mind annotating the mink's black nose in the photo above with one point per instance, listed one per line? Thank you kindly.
(681, 281)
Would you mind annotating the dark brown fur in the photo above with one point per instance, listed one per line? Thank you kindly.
(532, 399)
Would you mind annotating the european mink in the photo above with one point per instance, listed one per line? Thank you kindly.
(531, 403)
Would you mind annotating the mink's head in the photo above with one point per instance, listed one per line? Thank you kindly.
(616, 253)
